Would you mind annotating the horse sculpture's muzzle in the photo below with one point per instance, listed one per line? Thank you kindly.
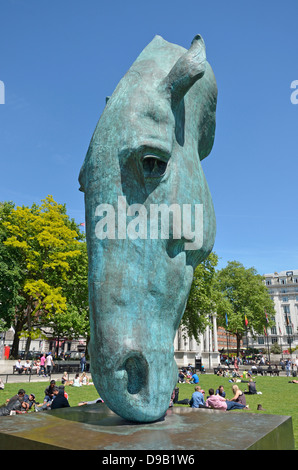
(135, 312)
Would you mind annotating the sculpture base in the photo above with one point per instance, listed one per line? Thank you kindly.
(95, 427)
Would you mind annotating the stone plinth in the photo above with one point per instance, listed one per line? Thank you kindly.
(95, 427)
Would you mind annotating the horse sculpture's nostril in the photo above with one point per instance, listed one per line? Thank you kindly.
(136, 367)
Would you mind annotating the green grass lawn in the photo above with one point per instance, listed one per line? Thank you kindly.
(278, 396)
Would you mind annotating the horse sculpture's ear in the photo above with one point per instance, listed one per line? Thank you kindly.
(189, 68)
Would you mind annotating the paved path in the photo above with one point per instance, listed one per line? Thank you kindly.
(22, 378)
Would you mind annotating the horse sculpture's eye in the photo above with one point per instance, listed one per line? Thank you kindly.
(153, 166)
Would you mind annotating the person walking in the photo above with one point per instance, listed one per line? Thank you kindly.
(83, 362)
(288, 367)
(49, 363)
(42, 365)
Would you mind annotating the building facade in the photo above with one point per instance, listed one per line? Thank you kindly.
(283, 289)
(188, 351)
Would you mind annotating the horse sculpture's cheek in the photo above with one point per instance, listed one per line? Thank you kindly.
(145, 151)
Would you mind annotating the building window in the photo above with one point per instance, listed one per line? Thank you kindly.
(282, 281)
(268, 282)
(283, 291)
(286, 308)
(285, 299)
(261, 340)
(274, 339)
(273, 330)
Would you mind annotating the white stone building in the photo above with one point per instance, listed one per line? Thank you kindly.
(283, 289)
(187, 350)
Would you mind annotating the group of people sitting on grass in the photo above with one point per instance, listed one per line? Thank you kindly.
(55, 397)
(78, 381)
(217, 399)
(19, 403)
(188, 376)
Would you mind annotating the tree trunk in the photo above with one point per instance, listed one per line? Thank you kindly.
(27, 347)
(238, 337)
(16, 339)
(28, 342)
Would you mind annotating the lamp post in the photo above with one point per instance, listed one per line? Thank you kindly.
(288, 332)
(268, 344)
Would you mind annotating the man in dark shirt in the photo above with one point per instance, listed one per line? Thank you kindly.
(252, 389)
(50, 389)
(60, 401)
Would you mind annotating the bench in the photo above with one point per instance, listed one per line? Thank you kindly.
(15, 370)
(71, 367)
(223, 369)
(266, 371)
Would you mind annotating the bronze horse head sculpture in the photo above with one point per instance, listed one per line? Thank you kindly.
(149, 222)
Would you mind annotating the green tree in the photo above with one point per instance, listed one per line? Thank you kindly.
(43, 242)
(248, 298)
(204, 299)
(11, 274)
(75, 322)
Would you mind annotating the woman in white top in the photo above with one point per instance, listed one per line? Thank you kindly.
(77, 381)
(84, 379)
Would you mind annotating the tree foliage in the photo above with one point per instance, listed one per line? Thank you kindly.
(248, 300)
(11, 274)
(234, 293)
(43, 245)
(204, 299)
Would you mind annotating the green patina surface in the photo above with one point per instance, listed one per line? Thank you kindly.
(147, 149)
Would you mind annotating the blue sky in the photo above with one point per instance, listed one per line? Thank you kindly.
(60, 59)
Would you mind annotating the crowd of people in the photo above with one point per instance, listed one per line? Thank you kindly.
(217, 399)
(257, 366)
(43, 365)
